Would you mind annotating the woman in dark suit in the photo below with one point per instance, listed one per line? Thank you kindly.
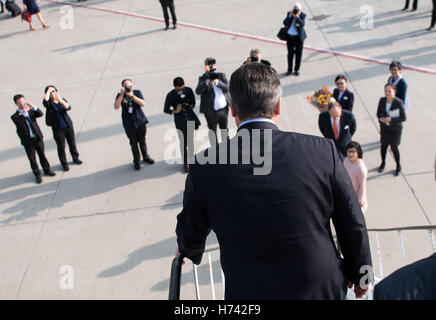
(342, 95)
(391, 114)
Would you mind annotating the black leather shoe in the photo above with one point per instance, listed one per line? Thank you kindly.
(297, 73)
(430, 28)
(49, 173)
(137, 166)
(148, 160)
(382, 167)
(38, 179)
(288, 73)
(77, 161)
(166, 28)
(397, 171)
(174, 27)
(66, 167)
(404, 9)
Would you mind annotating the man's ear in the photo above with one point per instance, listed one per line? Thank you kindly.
(279, 105)
(233, 110)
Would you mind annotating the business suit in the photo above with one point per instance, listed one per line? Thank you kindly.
(181, 119)
(295, 43)
(62, 129)
(347, 99)
(206, 90)
(32, 145)
(415, 281)
(391, 134)
(274, 230)
(347, 127)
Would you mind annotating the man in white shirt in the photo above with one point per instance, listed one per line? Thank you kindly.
(213, 88)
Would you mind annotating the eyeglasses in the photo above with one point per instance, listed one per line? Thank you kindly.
(340, 83)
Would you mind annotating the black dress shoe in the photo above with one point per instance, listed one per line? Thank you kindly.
(137, 166)
(77, 161)
(297, 73)
(148, 160)
(404, 9)
(430, 28)
(49, 173)
(166, 28)
(397, 171)
(174, 27)
(38, 179)
(381, 168)
(66, 167)
(288, 73)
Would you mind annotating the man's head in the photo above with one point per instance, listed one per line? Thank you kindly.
(255, 92)
(210, 64)
(179, 84)
(20, 101)
(127, 83)
(296, 7)
(53, 90)
(335, 109)
(255, 55)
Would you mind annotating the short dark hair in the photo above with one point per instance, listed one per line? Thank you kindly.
(178, 82)
(255, 90)
(18, 97)
(331, 104)
(356, 145)
(50, 86)
(393, 86)
(122, 82)
(396, 64)
(209, 60)
(341, 77)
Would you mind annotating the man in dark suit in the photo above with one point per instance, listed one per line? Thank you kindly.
(180, 102)
(213, 88)
(338, 125)
(30, 135)
(131, 102)
(62, 125)
(273, 222)
(169, 4)
(415, 281)
(294, 22)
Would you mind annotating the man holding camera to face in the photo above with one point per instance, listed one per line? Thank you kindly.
(180, 102)
(214, 91)
(131, 103)
(256, 56)
(294, 22)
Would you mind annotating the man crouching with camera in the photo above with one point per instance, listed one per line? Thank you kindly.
(134, 120)
(214, 90)
(180, 102)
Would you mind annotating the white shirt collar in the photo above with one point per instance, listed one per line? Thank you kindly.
(256, 120)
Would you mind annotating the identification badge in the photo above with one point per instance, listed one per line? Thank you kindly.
(130, 109)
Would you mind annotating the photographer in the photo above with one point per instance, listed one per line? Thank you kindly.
(256, 56)
(134, 120)
(180, 102)
(62, 126)
(214, 91)
(294, 22)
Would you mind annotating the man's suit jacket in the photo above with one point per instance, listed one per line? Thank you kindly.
(347, 127)
(22, 128)
(274, 230)
(301, 21)
(51, 116)
(347, 99)
(207, 92)
(416, 281)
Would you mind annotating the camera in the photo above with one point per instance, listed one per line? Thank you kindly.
(127, 89)
(185, 104)
(254, 58)
(295, 11)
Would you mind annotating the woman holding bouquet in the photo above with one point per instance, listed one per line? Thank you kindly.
(342, 95)
(32, 7)
(391, 115)
(358, 172)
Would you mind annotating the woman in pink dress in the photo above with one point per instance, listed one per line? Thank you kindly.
(358, 172)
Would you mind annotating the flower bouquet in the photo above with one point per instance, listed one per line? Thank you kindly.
(320, 99)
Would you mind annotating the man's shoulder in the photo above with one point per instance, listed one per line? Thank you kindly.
(14, 116)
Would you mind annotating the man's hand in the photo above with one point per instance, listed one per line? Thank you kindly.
(358, 291)
(178, 108)
(129, 94)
